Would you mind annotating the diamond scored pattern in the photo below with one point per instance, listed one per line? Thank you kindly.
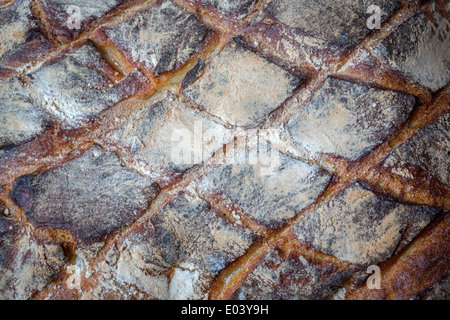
(233, 87)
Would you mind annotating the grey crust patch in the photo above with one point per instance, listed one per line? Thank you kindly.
(272, 198)
(342, 23)
(294, 278)
(74, 90)
(349, 119)
(162, 38)
(362, 227)
(235, 86)
(171, 136)
(20, 120)
(420, 50)
(230, 6)
(92, 195)
(428, 149)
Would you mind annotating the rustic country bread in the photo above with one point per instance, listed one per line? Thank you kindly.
(97, 201)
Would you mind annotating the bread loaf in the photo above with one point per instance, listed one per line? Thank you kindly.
(227, 149)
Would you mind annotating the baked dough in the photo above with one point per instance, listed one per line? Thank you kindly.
(199, 149)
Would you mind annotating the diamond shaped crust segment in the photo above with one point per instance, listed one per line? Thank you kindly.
(371, 230)
(342, 23)
(169, 135)
(270, 197)
(162, 37)
(349, 119)
(420, 49)
(428, 150)
(234, 86)
(97, 196)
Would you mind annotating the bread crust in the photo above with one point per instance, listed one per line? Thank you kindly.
(95, 107)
